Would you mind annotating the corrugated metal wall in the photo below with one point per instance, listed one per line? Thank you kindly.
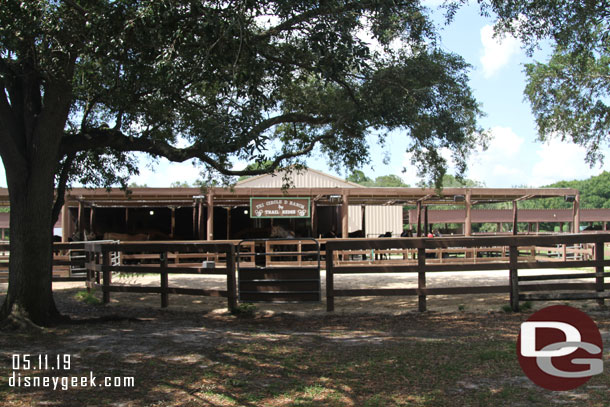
(379, 219)
(303, 179)
(382, 219)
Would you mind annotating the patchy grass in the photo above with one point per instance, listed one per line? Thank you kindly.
(88, 297)
(181, 358)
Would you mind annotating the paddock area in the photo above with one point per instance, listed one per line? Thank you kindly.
(404, 273)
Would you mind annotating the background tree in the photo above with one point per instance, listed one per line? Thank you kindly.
(360, 177)
(451, 181)
(86, 82)
(179, 184)
(569, 93)
(388, 181)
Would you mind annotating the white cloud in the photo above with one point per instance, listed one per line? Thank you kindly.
(163, 173)
(496, 51)
(494, 166)
(561, 160)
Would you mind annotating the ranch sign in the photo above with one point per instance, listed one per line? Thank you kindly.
(279, 207)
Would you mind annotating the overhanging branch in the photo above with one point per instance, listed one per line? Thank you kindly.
(110, 138)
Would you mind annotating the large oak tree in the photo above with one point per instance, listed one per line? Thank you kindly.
(87, 82)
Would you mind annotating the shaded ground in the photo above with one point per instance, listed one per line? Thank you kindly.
(371, 352)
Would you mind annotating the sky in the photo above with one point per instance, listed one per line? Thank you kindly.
(514, 156)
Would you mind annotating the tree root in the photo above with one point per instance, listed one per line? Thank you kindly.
(18, 320)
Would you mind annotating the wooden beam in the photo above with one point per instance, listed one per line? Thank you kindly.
(363, 226)
(576, 210)
(426, 226)
(314, 219)
(468, 219)
(194, 221)
(65, 223)
(228, 222)
(92, 220)
(418, 218)
(81, 220)
(200, 227)
(210, 220)
(514, 217)
(172, 226)
(345, 215)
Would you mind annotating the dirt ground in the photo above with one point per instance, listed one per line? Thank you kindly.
(394, 305)
(372, 351)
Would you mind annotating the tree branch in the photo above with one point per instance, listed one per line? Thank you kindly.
(307, 15)
(61, 187)
(111, 138)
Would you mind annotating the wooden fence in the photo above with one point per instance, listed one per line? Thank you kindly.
(100, 260)
(162, 259)
(425, 255)
(68, 262)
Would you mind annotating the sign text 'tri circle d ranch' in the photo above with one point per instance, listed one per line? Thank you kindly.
(279, 207)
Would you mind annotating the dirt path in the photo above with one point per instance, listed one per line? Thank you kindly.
(390, 305)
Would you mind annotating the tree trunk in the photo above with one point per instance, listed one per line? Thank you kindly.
(30, 296)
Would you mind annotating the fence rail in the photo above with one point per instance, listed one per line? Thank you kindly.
(66, 267)
(158, 255)
(418, 256)
(524, 252)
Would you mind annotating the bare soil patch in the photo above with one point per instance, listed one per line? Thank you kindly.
(371, 352)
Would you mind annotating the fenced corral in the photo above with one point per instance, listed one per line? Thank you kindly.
(421, 256)
(162, 259)
(68, 262)
(287, 270)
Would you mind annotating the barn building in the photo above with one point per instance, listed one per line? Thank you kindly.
(315, 205)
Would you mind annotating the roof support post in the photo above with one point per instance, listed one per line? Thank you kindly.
(228, 222)
(200, 226)
(81, 220)
(576, 214)
(210, 220)
(418, 218)
(344, 215)
(314, 219)
(468, 220)
(65, 223)
(194, 221)
(426, 226)
(363, 222)
(172, 225)
(514, 217)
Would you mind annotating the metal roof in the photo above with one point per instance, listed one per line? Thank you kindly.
(356, 196)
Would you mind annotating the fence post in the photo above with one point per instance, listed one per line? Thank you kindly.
(106, 276)
(421, 278)
(164, 280)
(231, 283)
(599, 270)
(330, 295)
(514, 278)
